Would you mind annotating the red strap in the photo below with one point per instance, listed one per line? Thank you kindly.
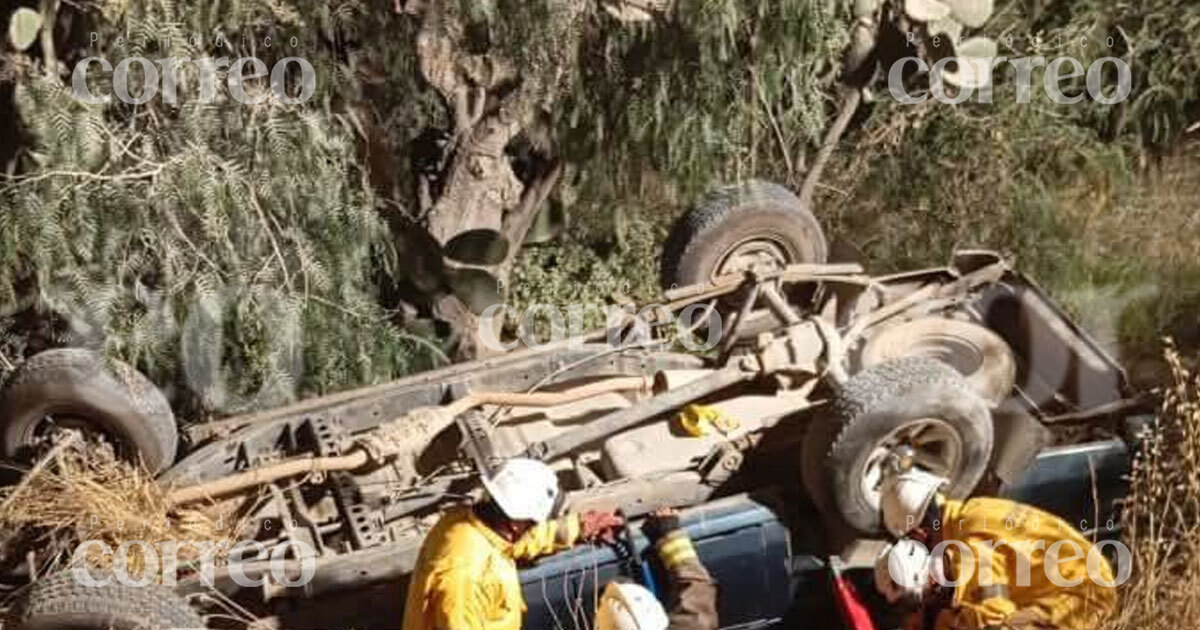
(854, 612)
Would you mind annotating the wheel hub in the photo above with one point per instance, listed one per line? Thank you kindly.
(928, 444)
(56, 427)
(756, 254)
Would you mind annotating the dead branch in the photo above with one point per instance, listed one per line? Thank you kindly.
(518, 220)
(49, 19)
(851, 97)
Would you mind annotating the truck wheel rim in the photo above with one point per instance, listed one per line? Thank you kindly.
(928, 444)
(973, 350)
(41, 435)
(964, 355)
(758, 253)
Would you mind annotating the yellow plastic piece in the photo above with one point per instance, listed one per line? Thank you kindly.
(701, 420)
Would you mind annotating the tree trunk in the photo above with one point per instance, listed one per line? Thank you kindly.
(491, 103)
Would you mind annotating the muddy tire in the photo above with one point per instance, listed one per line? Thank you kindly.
(59, 602)
(915, 411)
(733, 227)
(982, 357)
(97, 396)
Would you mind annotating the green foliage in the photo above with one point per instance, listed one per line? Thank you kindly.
(664, 110)
(228, 249)
(1051, 185)
(223, 229)
(719, 90)
(580, 270)
(658, 112)
(1156, 37)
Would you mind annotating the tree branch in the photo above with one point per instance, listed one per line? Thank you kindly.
(49, 19)
(766, 105)
(262, 218)
(851, 97)
(93, 176)
(519, 219)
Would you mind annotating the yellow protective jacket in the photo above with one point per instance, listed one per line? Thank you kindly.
(1007, 535)
(466, 575)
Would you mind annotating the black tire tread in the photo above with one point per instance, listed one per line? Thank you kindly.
(81, 365)
(864, 394)
(710, 212)
(152, 607)
(872, 388)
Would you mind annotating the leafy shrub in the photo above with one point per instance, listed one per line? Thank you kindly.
(227, 249)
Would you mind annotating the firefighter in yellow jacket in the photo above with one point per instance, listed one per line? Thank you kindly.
(466, 575)
(988, 564)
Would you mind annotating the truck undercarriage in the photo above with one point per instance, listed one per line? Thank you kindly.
(824, 377)
(361, 476)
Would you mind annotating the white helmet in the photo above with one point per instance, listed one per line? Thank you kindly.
(525, 489)
(906, 498)
(627, 606)
(902, 571)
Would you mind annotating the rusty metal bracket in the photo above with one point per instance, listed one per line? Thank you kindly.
(726, 458)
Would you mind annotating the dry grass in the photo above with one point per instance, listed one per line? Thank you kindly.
(70, 497)
(1145, 278)
(1162, 517)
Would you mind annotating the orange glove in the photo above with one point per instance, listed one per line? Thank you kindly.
(595, 526)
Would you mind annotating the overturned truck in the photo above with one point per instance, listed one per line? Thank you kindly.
(823, 376)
